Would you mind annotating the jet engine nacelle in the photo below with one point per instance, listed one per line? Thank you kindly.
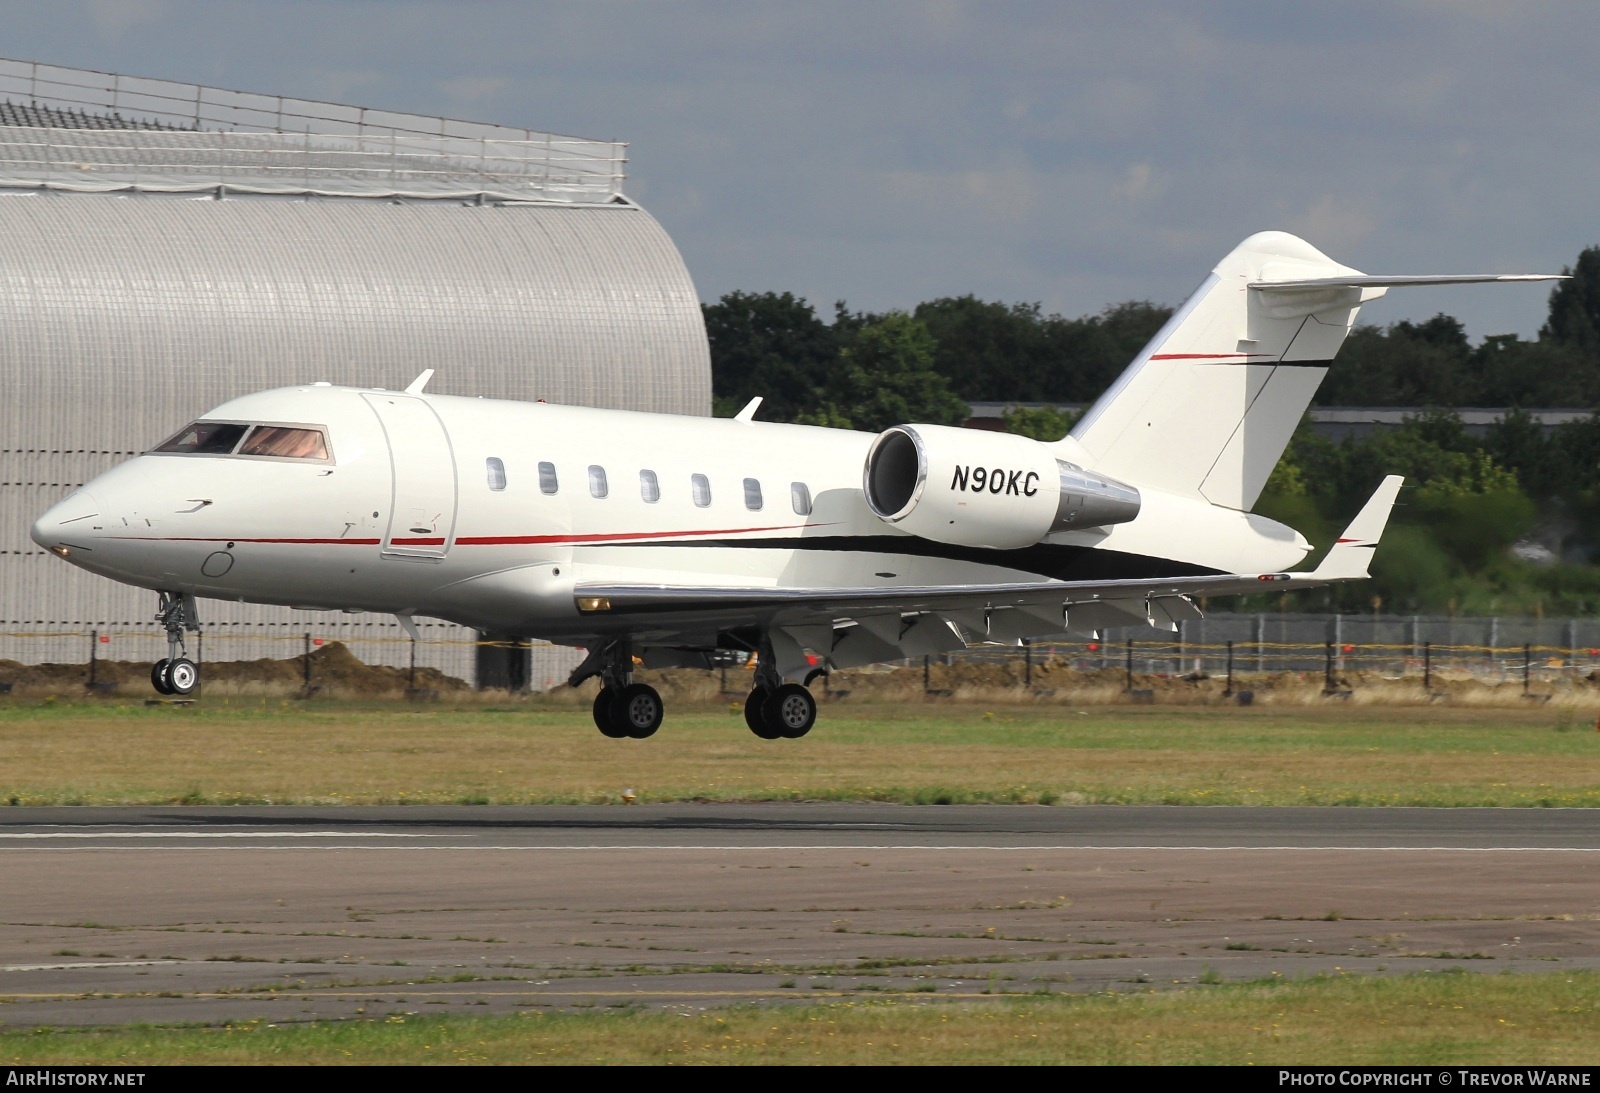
(984, 489)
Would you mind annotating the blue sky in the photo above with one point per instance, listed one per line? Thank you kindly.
(888, 152)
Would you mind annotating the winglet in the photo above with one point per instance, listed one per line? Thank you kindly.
(1352, 553)
(748, 414)
(416, 385)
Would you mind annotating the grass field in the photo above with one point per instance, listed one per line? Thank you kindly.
(1441, 1018)
(271, 750)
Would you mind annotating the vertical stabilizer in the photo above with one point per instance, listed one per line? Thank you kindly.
(1209, 405)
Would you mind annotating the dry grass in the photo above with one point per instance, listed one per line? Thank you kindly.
(270, 750)
(1444, 1018)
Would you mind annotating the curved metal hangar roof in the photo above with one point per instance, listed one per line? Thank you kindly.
(165, 247)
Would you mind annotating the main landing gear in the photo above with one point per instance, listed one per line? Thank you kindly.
(785, 712)
(777, 710)
(623, 708)
(175, 673)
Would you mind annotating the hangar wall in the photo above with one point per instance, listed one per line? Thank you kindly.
(128, 309)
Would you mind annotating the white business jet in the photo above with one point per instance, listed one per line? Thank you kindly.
(662, 541)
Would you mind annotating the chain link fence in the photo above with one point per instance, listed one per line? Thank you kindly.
(1488, 649)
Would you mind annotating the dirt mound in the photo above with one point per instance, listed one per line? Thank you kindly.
(334, 668)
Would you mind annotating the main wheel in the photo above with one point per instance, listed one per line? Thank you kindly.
(790, 711)
(182, 676)
(754, 717)
(604, 702)
(158, 677)
(639, 710)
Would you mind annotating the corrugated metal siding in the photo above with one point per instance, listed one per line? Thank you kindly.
(123, 317)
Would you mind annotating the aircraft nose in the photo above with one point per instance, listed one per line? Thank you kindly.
(64, 521)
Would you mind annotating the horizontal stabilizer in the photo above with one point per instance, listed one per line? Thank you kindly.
(1363, 280)
(1352, 553)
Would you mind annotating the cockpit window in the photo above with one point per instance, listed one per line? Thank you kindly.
(308, 442)
(205, 438)
(285, 442)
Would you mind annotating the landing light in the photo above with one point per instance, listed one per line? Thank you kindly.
(589, 604)
(60, 551)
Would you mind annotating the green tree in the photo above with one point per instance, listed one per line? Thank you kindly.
(886, 377)
(1575, 306)
(769, 344)
(989, 351)
(1039, 422)
(1012, 352)
(1405, 364)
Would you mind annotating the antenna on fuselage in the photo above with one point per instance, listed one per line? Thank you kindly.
(415, 386)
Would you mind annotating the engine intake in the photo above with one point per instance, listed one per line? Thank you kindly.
(982, 489)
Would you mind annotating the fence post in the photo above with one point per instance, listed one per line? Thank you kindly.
(1129, 665)
(1327, 668)
(1261, 629)
(1228, 691)
(927, 660)
(1427, 666)
(1527, 665)
(411, 676)
(1027, 664)
(94, 642)
(306, 678)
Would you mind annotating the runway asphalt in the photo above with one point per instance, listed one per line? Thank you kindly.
(117, 915)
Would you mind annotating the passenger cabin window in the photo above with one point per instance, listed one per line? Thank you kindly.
(597, 482)
(547, 478)
(497, 473)
(752, 494)
(800, 498)
(649, 487)
(700, 490)
(284, 442)
(205, 438)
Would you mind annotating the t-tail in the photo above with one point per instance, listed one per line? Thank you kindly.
(1207, 408)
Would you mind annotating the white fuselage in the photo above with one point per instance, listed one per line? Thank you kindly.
(438, 505)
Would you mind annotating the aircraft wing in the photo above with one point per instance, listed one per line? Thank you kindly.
(854, 626)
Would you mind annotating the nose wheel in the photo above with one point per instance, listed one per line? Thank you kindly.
(176, 674)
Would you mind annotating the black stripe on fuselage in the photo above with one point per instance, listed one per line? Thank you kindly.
(1048, 560)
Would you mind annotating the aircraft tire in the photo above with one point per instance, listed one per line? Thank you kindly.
(754, 716)
(639, 710)
(158, 677)
(604, 703)
(790, 711)
(182, 676)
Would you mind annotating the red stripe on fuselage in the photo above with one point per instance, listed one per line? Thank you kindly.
(482, 540)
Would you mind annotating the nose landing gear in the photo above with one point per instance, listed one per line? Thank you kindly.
(175, 673)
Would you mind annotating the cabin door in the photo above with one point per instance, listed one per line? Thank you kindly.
(422, 507)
